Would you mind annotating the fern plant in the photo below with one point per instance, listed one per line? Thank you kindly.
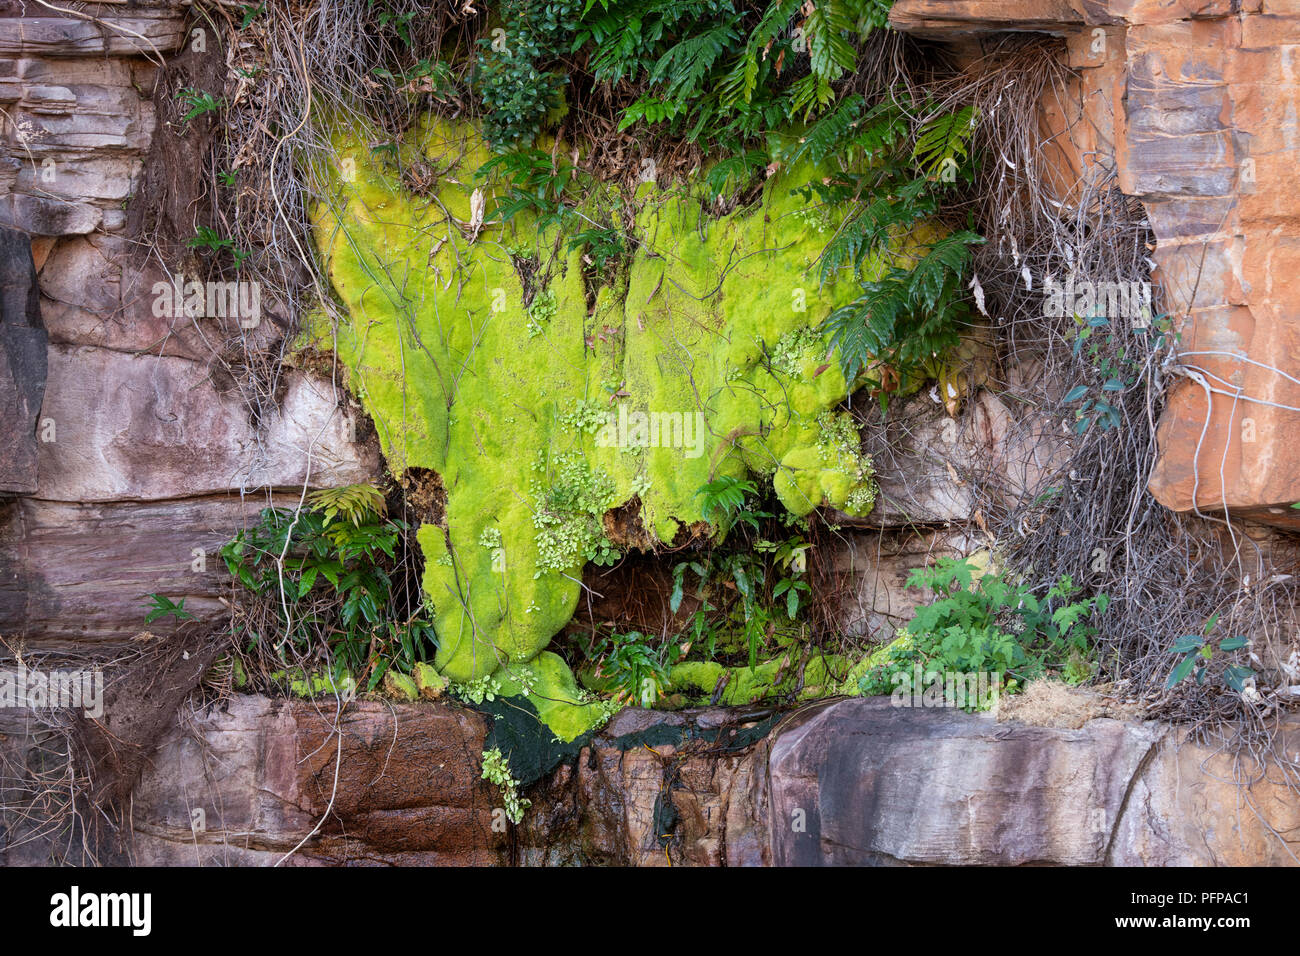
(325, 576)
(903, 322)
(353, 503)
(791, 55)
(896, 161)
(533, 182)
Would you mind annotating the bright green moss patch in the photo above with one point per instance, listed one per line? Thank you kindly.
(696, 681)
(477, 352)
(548, 685)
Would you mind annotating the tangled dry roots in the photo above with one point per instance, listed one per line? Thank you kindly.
(65, 795)
(1089, 514)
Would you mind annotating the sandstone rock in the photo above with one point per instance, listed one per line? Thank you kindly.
(862, 782)
(1195, 806)
(928, 463)
(74, 577)
(1228, 249)
(59, 36)
(611, 805)
(149, 427)
(73, 139)
(956, 18)
(1193, 105)
(244, 783)
(848, 782)
(22, 363)
(872, 598)
(94, 293)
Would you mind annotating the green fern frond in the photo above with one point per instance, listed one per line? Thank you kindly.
(829, 51)
(740, 83)
(908, 316)
(943, 139)
(353, 503)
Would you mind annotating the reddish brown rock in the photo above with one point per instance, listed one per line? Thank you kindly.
(841, 782)
(656, 789)
(1193, 103)
(246, 783)
(74, 578)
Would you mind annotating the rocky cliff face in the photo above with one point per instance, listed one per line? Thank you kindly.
(129, 460)
(142, 460)
(1193, 106)
(856, 782)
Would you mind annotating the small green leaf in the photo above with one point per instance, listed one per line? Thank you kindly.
(1237, 676)
(1181, 671)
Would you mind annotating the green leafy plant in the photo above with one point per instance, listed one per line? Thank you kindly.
(161, 607)
(533, 182)
(905, 320)
(249, 13)
(334, 584)
(1119, 370)
(571, 500)
(477, 691)
(512, 73)
(353, 503)
(724, 73)
(789, 557)
(603, 246)
(208, 238)
(637, 669)
(198, 103)
(990, 624)
(895, 161)
(722, 501)
(496, 769)
(1198, 651)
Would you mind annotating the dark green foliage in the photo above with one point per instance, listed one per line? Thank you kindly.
(161, 607)
(1198, 651)
(894, 173)
(335, 583)
(637, 669)
(603, 246)
(724, 72)
(533, 182)
(738, 605)
(1118, 370)
(722, 501)
(994, 625)
(514, 75)
(198, 103)
(908, 317)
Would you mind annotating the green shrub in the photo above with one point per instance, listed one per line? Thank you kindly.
(993, 625)
(512, 74)
(335, 587)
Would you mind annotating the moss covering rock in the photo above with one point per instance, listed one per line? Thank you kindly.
(481, 352)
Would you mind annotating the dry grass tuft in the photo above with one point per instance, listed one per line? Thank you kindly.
(1053, 703)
